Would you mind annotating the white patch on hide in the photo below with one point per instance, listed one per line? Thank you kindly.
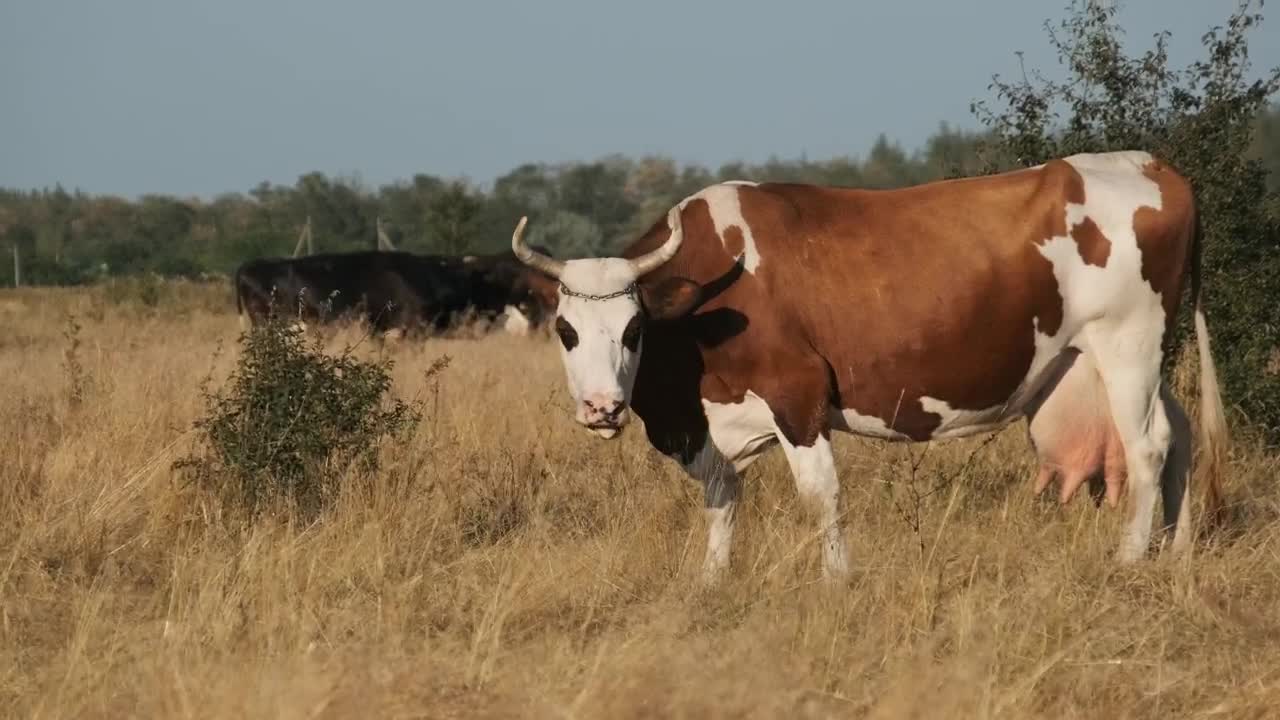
(726, 211)
(741, 431)
(851, 421)
(959, 423)
(1114, 189)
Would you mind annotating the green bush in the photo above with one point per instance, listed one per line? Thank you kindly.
(1201, 119)
(291, 421)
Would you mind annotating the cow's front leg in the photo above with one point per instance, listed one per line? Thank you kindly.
(799, 400)
(814, 469)
(720, 491)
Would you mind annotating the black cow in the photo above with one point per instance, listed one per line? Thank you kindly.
(393, 290)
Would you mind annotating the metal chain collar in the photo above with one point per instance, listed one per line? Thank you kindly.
(628, 290)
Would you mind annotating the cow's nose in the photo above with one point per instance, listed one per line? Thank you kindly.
(603, 405)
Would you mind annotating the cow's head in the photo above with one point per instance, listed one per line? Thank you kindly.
(603, 307)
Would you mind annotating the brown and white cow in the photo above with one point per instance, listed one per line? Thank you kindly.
(758, 314)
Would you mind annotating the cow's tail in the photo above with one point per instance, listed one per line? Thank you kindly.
(1214, 437)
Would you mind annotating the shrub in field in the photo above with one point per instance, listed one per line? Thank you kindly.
(292, 420)
(1202, 120)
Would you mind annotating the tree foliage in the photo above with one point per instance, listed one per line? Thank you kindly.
(69, 237)
(1204, 120)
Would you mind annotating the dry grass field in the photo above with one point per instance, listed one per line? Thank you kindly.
(503, 563)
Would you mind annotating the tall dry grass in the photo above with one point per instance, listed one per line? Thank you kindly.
(505, 564)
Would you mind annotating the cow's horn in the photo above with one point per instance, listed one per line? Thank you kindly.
(531, 257)
(652, 261)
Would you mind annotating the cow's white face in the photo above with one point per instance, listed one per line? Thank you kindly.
(600, 323)
(603, 309)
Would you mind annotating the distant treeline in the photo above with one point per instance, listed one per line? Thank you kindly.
(69, 237)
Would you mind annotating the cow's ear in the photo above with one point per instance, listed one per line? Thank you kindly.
(670, 298)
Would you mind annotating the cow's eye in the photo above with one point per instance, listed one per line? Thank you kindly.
(632, 334)
(568, 336)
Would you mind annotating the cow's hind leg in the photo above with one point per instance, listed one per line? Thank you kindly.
(1132, 382)
(1174, 480)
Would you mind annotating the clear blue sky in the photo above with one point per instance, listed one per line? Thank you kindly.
(196, 98)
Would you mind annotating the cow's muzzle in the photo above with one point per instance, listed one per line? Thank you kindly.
(605, 416)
